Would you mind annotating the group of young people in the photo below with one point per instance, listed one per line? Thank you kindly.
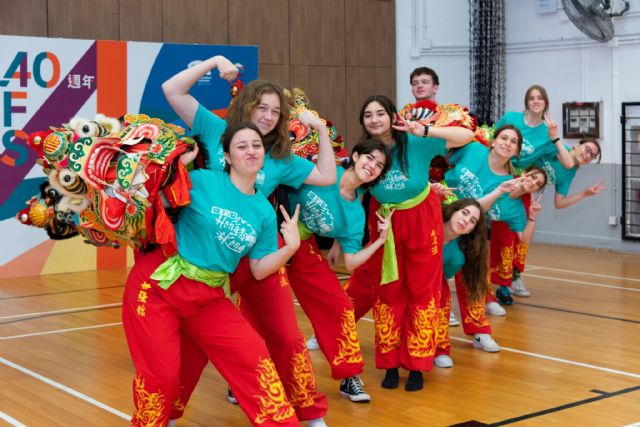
(177, 314)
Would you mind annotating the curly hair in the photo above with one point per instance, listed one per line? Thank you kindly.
(474, 246)
(277, 141)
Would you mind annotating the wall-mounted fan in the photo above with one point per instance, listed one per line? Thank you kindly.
(593, 17)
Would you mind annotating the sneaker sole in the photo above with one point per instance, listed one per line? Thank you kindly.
(478, 345)
(356, 399)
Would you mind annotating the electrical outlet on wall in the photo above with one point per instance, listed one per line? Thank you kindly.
(613, 220)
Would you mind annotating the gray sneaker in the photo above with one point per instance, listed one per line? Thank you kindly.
(518, 289)
(312, 343)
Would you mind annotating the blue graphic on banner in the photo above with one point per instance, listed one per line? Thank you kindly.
(211, 91)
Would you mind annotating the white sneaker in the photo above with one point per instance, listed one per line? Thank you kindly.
(486, 343)
(452, 320)
(518, 289)
(312, 343)
(443, 361)
(495, 309)
(317, 422)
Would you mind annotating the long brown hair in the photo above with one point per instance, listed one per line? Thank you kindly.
(498, 131)
(400, 138)
(474, 246)
(543, 93)
(277, 141)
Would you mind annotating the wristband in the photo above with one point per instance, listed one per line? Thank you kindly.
(555, 140)
(532, 220)
(426, 130)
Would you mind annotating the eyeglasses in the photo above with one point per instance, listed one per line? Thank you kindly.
(592, 155)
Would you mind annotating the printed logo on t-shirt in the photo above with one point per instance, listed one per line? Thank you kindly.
(233, 231)
(469, 185)
(394, 180)
(260, 179)
(494, 212)
(221, 160)
(527, 148)
(316, 215)
(551, 174)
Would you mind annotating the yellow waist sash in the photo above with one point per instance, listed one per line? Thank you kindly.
(305, 233)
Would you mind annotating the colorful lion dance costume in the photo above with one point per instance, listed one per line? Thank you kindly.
(104, 180)
(304, 139)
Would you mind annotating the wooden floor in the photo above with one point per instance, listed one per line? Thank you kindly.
(570, 356)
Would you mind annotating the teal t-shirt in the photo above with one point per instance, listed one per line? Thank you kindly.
(398, 186)
(291, 171)
(326, 213)
(535, 140)
(223, 224)
(510, 211)
(556, 173)
(471, 175)
(452, 258)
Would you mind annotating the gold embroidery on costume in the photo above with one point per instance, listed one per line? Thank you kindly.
(284, 282)
(312, 251)
(505, 267)
(348, 345)
(521, 252)
(442, 333)
(272, 403)
(143, 296)
(304, 387)
(434, 242)
(178, 404)
(149, 406)
(477, 314)
(421, 342)
(387, 336)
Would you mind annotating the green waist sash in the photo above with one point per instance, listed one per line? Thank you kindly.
(175, 266)
(389, 260)
(305, 233)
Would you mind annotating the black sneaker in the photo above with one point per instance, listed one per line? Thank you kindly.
(504, 295)
(414, 382)
(352, 388)
(230, 397)
(391, 379)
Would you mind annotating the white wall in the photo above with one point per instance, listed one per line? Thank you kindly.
(542, 49)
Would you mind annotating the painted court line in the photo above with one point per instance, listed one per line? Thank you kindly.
(59, 331)
(11, 420)
(580, 282)
(64, 311)
(606, 276)
(65, 389)
(555, 359)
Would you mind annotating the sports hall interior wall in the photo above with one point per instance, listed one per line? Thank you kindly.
(544, 49)
(339, 51)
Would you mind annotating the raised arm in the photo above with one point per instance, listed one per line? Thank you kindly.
(353, 261)
(490, 198)
(454, 135)
(562, 202)
(269, 264)
(176, 89)
(324, 173)
(530, 228)
(563, 155)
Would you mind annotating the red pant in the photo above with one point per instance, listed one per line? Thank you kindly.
(153, 319)
(444, 342)
(503, 244)
(328, 308)
(405, 311)
(473, 316)
(268, 306)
